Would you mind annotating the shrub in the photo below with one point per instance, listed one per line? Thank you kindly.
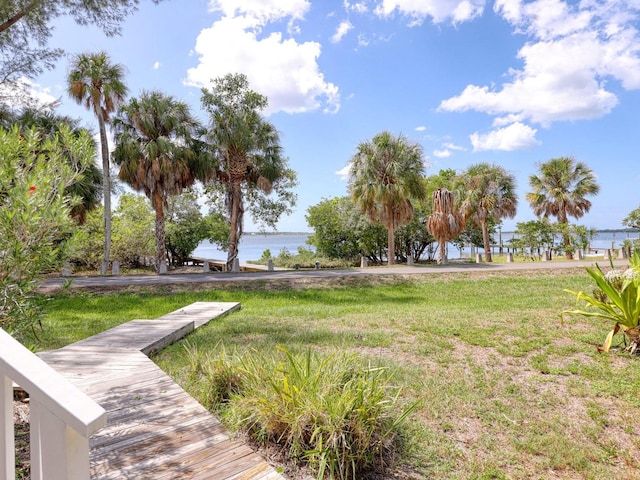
(335, 414)
(615, 298)
(35, 222)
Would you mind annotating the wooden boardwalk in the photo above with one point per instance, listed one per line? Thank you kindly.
(155, 430)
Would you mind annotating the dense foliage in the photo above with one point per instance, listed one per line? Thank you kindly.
(385, 181)
(35, 173)
(159, 153)
(26, 26)
(249, 164)
(333, 413)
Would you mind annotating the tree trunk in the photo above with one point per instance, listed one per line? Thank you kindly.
(485, 240)
(566, 240)
(442, 247)
(158, 206)
(391, 242)
(235, 221)
(106, 187)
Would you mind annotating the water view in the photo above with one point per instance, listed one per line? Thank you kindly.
(252, 245)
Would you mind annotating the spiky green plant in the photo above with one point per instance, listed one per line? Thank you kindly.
(616, 298)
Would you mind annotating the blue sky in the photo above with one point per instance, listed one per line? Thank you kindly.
(510, 82)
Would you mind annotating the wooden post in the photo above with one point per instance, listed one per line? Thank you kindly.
(270, 265)
(410, 260)
(236, 266)
(66, 269)
(478, 258)
(205, 266)
(7, 442)
(363, 262)
(509, 257)
(115, 267)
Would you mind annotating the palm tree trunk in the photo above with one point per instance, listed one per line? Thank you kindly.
(235, 222)
(485, 240)
(566, 240)
(442, 247)
(158, 205)
(391, 241)
(106, 187)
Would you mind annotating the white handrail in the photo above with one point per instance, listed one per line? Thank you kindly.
(62, 418)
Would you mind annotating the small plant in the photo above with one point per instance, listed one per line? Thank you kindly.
(335, 414)
(615, 298)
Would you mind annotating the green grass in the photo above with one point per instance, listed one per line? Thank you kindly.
(507, 390)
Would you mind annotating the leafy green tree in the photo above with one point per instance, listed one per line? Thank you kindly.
(26, 26)
(96, 82)
(561, 190)
(583, 235)
(35, 173)
(633, 219)
(250, 164)
(341, 231)
(88, 186)
(186, 227)
(490, 193)
(159, 153)
(386, 178)
(133, 235)
(534, 235)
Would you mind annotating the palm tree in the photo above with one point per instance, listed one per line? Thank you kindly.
(158, 153)
(386, 176)
(247, 149)
(97, 83)
(445, 222)
(490, 193)
(561, 190)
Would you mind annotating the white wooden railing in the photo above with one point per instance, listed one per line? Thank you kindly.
(62, 418)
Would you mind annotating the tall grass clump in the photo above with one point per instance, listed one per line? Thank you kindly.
(334, 413)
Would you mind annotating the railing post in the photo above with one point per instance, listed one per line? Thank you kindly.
(66, 455)
(7, 443)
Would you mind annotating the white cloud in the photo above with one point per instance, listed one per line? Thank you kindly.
(358, 7)
(262, 10)
(284, 70)
(156, 65)
(453, 146)
(442, 153)
(421, 128)
(341, 31)
(516, 136)
(455, 11)
(344, 172)
(576, 50)
(24, 93)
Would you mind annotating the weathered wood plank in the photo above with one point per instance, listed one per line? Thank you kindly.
(154, 430)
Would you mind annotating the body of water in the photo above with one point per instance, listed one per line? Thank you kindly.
(252, 245)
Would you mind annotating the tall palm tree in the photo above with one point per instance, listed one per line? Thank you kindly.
(247, 149)
(158, 152)
(560, 190)
(446, 220)
(490, 192)
(386, 176)
(93, 80)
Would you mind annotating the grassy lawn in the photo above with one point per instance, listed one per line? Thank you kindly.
(506, 389)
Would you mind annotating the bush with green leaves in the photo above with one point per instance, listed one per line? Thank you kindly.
(336, 414)
(35, 173)
(616, 298)
(186, 227)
